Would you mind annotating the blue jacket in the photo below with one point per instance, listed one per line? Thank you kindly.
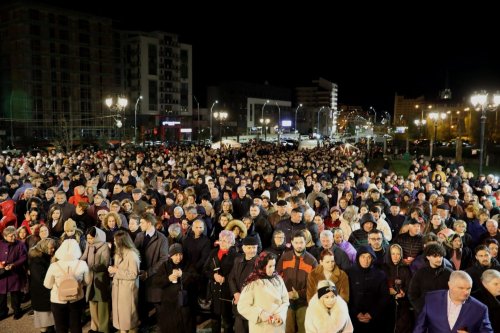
(434, 319)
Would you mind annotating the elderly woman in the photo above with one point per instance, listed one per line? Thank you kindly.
(328, 270)
(40, 257)
(98, 292)
(327, 312)
(67, 314)
(12, 273)
(217, 269)
(264, 299)
(349, 221)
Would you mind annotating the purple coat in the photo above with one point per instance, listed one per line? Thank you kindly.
(349, 250)
(12, 253)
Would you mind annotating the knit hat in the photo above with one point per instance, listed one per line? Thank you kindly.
(326, 286)
(69, 225)
(174, 249)
(250, 241)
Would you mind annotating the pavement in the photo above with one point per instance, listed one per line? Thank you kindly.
(25, 324)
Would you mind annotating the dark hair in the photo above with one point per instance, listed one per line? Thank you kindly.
(92, 232)
(434, 249)
(481, 247)
(489, 241)
(299, 233)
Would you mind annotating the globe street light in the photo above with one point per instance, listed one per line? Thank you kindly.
(481, 103)
(220, 116)
(262, 114)
(211, 114)
(264, 123)
(420, 123)
(295, 124)
(198, 125)
(135, 118)
(435, 116)
(117, 105)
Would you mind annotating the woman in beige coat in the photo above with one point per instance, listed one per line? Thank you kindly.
(264, 299)
(125, 291)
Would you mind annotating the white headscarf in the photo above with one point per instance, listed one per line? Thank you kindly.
(69, 250)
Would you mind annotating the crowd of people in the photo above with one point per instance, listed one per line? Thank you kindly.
(257, 238)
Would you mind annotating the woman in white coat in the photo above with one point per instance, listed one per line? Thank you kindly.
(67, 314)
(125, 291)
(264, 299)
(327, 312)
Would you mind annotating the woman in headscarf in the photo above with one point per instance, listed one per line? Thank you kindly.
(67, 314)
(172, 277)
(125, 273)
(39, 258)
(98, 293)
(327, 312)
(264, 299)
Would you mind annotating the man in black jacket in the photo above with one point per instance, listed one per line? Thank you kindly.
(243, 266)
(488, 294)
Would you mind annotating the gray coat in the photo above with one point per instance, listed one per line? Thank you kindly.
(97, 257)
(152, 257)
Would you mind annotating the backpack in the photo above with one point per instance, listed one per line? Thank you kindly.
(69, 288)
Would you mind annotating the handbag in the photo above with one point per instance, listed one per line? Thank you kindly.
(182, 296)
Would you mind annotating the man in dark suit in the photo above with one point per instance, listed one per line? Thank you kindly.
(488, 294)
(453, 310)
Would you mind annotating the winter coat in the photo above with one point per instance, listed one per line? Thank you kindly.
(125, 291)
(368, 290)
(40, 296)
(424, 280)
(97, 257)
(339, 277)
(15, 254)
(319, 320)
(175, 319)
(67, 259)
(493, 304)
(152, 257)
(220, 292)
(268, 295)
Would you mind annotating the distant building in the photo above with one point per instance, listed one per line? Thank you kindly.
(58, 66)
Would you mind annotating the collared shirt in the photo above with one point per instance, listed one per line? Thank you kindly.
(150, 233)
(453, 311)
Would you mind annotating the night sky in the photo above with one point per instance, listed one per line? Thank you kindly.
(371, 54)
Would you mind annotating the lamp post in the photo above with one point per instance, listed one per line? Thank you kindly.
(279, 122)
(375, 114)
(295, 124)
(420, 123)
(220, 116)
(264, 123)
(211, 115)
(262, 113)
(198, 125)
(481, 103)
(135, 118)
(435, 116)
(117, 105)
(319, 111)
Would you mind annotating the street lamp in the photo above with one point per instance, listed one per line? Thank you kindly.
(135, 118)
(481, 103)
(435, 116)
(319, 111)
(117, 105)
(262, 114)
(198, 125)
(295, 124)
(279, 122)
(264, 123)
(220, 116)
(211, 113)
(375, 114)
(420, 123)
